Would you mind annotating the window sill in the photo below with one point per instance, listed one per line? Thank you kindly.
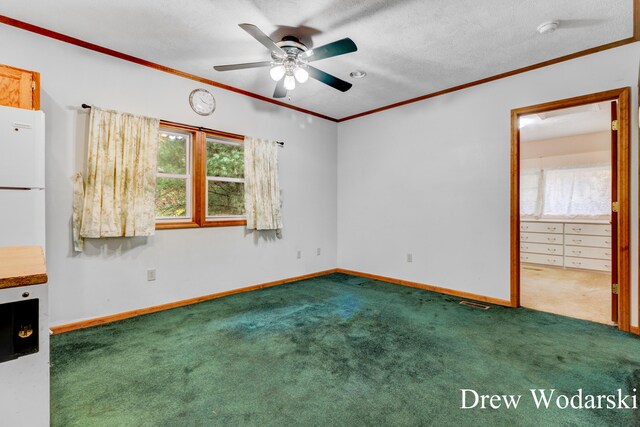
(220, 223)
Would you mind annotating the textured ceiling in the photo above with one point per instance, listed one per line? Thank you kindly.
(408, 48)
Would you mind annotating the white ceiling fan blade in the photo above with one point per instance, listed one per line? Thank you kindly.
(243, 66)
(257, 34)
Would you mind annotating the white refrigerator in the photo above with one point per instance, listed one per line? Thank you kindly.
(24, 381)
(22, 188)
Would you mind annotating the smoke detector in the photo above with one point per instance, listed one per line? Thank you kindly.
(548, 27)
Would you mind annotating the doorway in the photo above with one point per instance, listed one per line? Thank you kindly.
(570, 255)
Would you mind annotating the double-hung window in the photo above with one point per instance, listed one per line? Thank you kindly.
(200, 178)
(174, 183)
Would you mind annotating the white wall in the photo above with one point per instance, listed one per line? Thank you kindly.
(432, 178)
(590, 142)
(110, 276)
(567, 160)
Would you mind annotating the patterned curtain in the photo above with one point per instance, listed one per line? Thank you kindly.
(119, 198)
(261, 186)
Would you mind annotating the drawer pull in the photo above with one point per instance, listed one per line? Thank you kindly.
(576, 229)
(576, 262)
(551, 239)
(551, 228)
(606, 242)
(607, 230)
(576, 252)
(607, 253)
(607, 266)
(552, 261)
(577, 240)
(551, 249)
(524, 227)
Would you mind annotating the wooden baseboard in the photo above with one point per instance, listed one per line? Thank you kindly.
(634, 330)
(133, 313)
(466, 295)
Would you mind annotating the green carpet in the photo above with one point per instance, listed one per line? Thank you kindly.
(337, 350)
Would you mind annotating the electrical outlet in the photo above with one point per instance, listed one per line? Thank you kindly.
(299, 254)
(151, 275)
(318, 251)
(409, 257)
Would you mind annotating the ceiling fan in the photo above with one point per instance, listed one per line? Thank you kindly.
(290, 61)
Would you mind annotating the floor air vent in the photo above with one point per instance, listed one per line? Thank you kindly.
(475, 305)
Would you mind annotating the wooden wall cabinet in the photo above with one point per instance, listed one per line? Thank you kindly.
(19, 88)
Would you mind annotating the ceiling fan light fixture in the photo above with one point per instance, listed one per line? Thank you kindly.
(277, 72)
(301, 74)
(289, 82)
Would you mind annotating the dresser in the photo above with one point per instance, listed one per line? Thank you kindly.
(579, 245)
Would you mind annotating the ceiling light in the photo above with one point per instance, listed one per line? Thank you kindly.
(358, 74)
(301, 74)
(525, 121)
(289, 82)
(277, 72)
(548, 27)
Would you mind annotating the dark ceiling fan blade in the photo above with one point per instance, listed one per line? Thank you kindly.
(257, 34)
(328, 79)
(280, 91)
(232, 67)
(336, 48)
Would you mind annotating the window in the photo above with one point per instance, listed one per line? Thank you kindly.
(173, 186)
(225, 179)
(571, 192)
(566, 192)
(200, 178)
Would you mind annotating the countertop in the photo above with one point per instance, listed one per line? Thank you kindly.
(568, 220)
(22, 266)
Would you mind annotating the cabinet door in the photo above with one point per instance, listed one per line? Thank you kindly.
(19, 88)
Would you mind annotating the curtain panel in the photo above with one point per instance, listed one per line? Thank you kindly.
(570, 192)
(119, 196)
(261, 185)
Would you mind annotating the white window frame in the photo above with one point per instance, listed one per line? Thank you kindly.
(188, 177)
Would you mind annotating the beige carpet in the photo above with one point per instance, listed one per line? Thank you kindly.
(575, 293)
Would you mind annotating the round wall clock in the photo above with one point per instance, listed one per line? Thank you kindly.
(202, 102)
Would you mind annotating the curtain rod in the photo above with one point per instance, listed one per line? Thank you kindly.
(280, 143)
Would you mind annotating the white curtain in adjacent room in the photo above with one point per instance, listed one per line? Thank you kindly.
(577, 192)
(261, 185)
(530, 199)
(119, 196)
(572, 192)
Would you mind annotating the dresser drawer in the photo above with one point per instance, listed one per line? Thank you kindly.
(554, 239)
(541, 259)
(587, 252)
(541, 227)
(587, 263)
(596, 241)
(588, 229)
(541, 248)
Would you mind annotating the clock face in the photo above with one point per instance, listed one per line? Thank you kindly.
(202, 102)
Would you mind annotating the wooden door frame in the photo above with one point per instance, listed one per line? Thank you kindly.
(622, 96)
